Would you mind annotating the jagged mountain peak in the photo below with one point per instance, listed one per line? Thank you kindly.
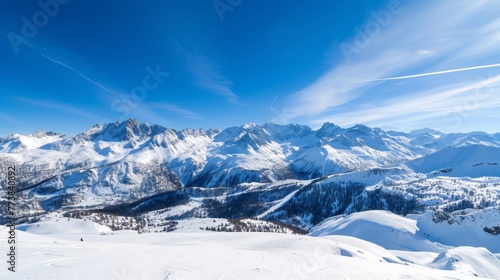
(247, 137)
(41, 134)
(426, 130)
(211, 132)
(364, 129)
(285, 132)
(249, 126)
(11, 137)
(236, 132)
(187, 132)
(328, 130)
(122, 131)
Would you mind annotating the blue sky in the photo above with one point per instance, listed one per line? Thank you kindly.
(402, 65)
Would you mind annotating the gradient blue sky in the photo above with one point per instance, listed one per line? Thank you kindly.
(231, 62)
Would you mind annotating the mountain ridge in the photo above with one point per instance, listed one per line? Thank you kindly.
(273, 168)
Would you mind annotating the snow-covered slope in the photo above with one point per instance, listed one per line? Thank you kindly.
(190, 253)
(461, 228)
(471, 161)
(434, 239)
(469, 260)
(380, 227)
(17, 143)
(54, 224)
(418, 232)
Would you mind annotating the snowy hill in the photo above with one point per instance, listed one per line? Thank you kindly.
(417, 232)
(419, 235)
(380, 227)
(469, 260)
(461, 228)
(472, 161)
(56, 224)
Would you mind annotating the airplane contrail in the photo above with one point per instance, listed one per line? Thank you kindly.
(435, 73)
(78, 73)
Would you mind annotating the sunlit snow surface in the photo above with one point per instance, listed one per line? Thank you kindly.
(51, 249)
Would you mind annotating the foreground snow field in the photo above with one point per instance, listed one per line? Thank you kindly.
(53, 250)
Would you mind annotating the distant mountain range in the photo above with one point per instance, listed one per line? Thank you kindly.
(269, 170)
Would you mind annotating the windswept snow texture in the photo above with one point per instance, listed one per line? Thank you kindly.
(189, 253)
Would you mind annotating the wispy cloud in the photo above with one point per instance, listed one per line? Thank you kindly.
(438, 103)
(207, 75)
(57, 106)
(422, 40)
(340, 85)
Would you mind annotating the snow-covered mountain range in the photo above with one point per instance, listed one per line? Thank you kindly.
(422, 203)
(270, 170)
